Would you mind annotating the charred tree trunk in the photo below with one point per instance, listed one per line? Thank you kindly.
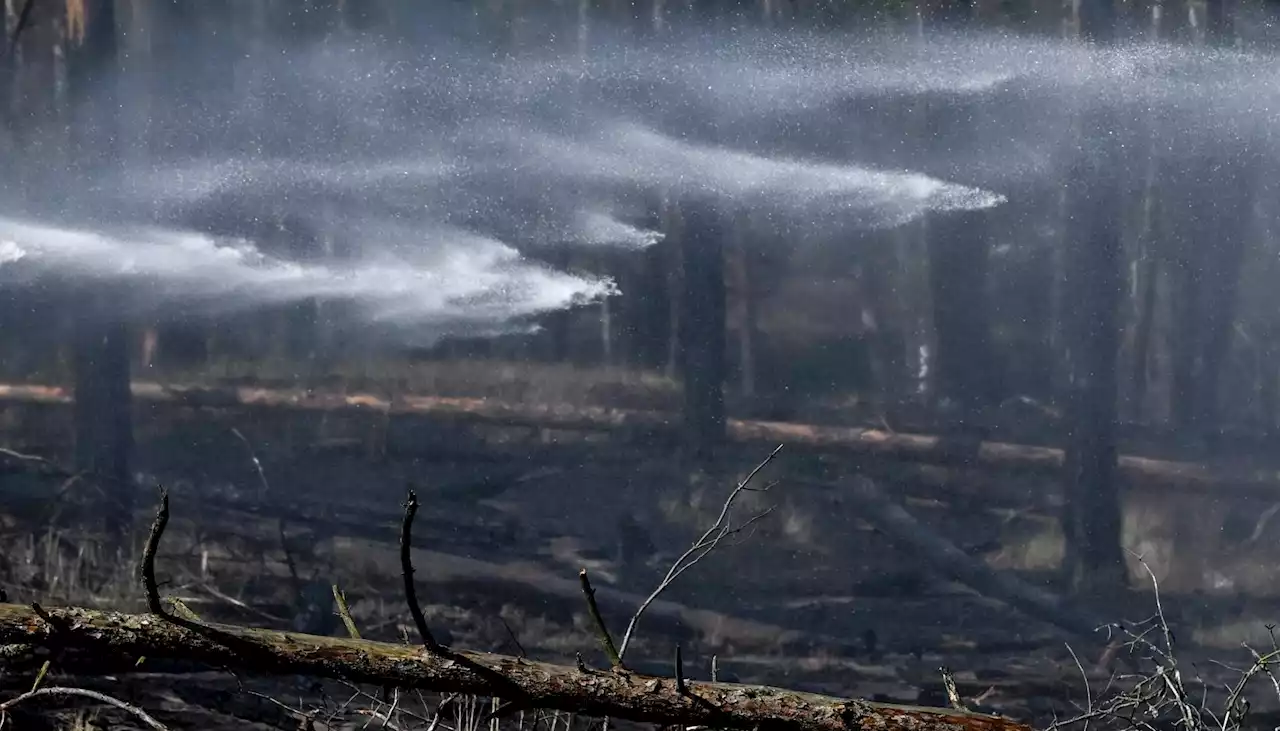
(745, 306)
(1217, 199)
(1146, 269)
(1230, 188)
(1220, 21)
(1093, 280)
(958, 262)
(10, 59)
(959, 254)
(103, 407)
(702, 325)
(652, 306)
(1229, 217)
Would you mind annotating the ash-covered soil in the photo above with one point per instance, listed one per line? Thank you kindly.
(812, 597)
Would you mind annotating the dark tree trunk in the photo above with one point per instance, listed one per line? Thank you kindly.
(1268, 391)
(1217, 205)
(652, 307)
(1187, 336)
(1092, 520)
(1037, 364)
(1229, 187)
(702, 325)
(746, 311)
(1219, 21)
(958, 263)
(1229, 218)
(1140, 374)
(103, 408)
(959, 257)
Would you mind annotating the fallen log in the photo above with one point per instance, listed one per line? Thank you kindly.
(117, 643)
(945, 558)
(880, 443)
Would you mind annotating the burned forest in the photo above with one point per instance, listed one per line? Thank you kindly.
(706, 364)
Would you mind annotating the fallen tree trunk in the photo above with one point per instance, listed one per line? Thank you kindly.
(117, 643)
(945, 558)
(1006, 456)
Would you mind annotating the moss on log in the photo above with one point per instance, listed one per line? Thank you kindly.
(119, 643)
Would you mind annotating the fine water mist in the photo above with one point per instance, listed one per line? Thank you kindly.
(437, 281)
(439, 175)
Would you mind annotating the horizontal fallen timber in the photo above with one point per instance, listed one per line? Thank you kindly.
(1139, 471)
(114, 642)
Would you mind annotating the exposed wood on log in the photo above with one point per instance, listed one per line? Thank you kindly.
(114, 642)
(1137, 471)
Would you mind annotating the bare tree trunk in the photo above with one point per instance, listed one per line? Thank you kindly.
(1268, 385)
(1093, 280)
(1216, 202)
(702, 326)
(746, 306)
(10, 62)
(959, 253)
(103, 407)
(1147, 270)
(958, 257)
(675, 229)
(1230, 188)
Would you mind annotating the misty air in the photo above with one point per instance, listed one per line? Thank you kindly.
(787, 365)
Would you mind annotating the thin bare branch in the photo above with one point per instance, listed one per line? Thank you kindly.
(597, 619)
(345, 613)
(700, 548)
(148, 565)
(57, 691)
(263, 485)
(406, 568)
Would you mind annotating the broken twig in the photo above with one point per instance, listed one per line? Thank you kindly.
(606, 640)
(148, 565)
(56, 691)
(406, 568)
(345, 613)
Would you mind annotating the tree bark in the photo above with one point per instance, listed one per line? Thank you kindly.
(113, 642)
(103, 413)
(702, 326)
(958, 258)
(1147, 269)
(1093, 280)
(744, 282)
(1223, 214)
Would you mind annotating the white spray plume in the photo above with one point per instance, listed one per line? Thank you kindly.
(463, 279)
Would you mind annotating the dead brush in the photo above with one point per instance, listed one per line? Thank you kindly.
(464, 713)
(58, 567)
(1163, 694)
